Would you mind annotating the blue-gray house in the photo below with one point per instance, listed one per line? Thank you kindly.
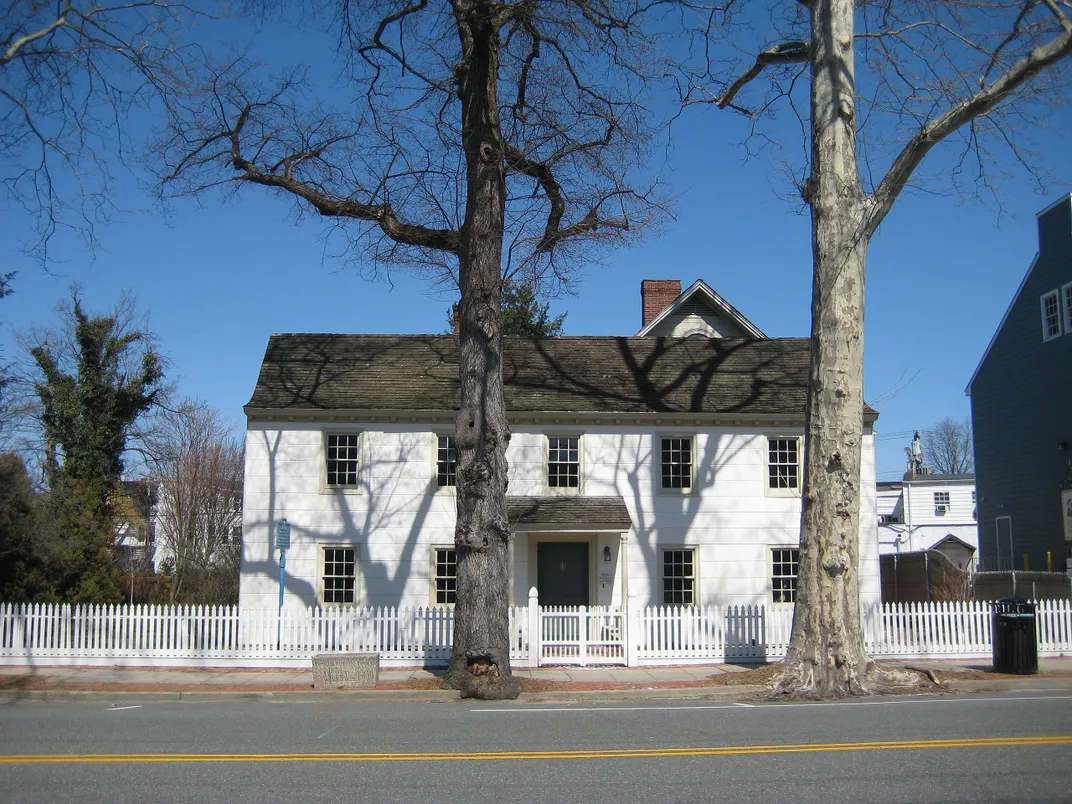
(1021, 407)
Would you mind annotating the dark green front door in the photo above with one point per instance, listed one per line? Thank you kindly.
(562, 573)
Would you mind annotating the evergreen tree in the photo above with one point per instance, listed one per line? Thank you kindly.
(28, 555)
(95, 381)
(523, 313)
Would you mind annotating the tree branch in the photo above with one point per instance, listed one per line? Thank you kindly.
(978, 105)
(785, 53)
(382, 214)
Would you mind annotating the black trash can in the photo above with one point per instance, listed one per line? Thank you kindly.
(1015, 644)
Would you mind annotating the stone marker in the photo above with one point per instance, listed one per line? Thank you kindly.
(346, 671)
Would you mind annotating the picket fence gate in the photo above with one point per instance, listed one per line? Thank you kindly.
(404, 637)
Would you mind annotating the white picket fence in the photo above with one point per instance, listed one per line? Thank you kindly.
(619, 635)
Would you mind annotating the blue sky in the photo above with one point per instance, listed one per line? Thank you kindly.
(217, 279)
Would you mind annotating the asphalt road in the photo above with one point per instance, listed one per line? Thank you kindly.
(996, 748)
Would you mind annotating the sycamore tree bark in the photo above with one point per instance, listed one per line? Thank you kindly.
(826, 654)
(922, 56)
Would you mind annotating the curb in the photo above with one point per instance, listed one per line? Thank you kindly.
(373, 696)
(1026, 683)
(725, 693)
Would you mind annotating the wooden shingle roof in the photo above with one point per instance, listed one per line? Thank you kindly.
(566, 512)
(603, 375)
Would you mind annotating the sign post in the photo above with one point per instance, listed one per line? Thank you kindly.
(282, 543)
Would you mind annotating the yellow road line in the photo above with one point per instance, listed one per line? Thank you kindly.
(610, 753)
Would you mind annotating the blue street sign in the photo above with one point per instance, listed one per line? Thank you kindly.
(282, 535)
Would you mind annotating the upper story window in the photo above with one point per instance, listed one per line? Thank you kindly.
(1066, 306)
(783, 463)
(342, 459)
(785, 566)
(446, 462)
(1051, 316)
(444, 576)
(679, 577)
(941, 503)
(677, 463)
(887, 519)
(338, 576)
(563, 462)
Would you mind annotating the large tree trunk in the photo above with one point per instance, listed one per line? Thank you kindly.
(826, 655)
(480, 660)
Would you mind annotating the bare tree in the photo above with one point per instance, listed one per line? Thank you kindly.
(947, 447)
(968, 74)
(481, 140)
(71, 72)
(196, 469)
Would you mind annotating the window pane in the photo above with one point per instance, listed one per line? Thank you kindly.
(446, 462)
(783, 463)
(564, 462)
(446, 576)
(679, 578)
(339, 575)
(677, 463)
(1051, 316)
(342, 459)
(785, 564)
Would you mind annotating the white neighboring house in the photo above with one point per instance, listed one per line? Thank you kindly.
(666, 466)
(929, 512)
(151, 522)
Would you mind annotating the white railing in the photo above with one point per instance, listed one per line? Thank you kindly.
(632, 635)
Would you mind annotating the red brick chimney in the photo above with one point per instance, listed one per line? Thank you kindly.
(656, 295)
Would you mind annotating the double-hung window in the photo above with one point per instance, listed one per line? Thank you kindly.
(783, 463)
(941, 503)
(444, 576)
(677, 463)
(564, 462)
(785, 566)
(338, 579)
(342, 459)
(679, 576)
(446, 462)
(1051, 315)
(1066, 306)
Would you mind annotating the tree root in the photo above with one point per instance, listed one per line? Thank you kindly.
(804, 681)
(483, 677)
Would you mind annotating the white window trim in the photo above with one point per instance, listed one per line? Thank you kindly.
(361, 460)
(695, 549)
(770, 573)
(658, 450)
(789, 492)
(432, 575)
(320, 561)
(1053, 294)
(1065, 303)
(563, 490)
(435, 465)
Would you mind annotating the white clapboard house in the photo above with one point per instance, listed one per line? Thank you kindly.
(666, 464)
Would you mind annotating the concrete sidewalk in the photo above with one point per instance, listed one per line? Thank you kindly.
(548, 683)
